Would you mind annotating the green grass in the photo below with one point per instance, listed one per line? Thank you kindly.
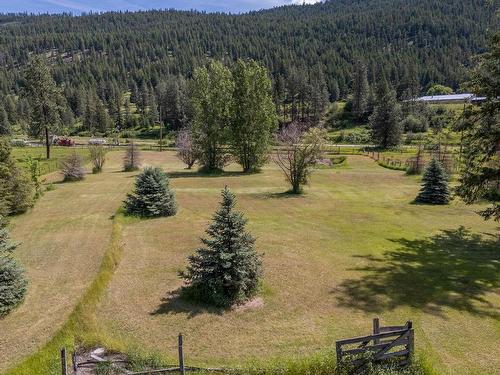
(351, 248)
(21, 154)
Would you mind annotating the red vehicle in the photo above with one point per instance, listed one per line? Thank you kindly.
(65, 142)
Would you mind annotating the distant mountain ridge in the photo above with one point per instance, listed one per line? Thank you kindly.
(433, 38)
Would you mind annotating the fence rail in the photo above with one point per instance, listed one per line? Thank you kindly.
(390, 342)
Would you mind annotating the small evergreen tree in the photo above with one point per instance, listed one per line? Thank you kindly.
(226, 271)
(13, 284)
(152, 196)
(435, 185)
(131, 160)
(72, 168)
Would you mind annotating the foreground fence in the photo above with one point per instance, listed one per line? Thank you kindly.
(395, 343)
(392, 342)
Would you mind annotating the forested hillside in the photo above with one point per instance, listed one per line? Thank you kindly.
(308, 49)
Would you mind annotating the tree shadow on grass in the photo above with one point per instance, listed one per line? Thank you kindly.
(176, 303)
(279, 195)
(192, 174)
(454, 269)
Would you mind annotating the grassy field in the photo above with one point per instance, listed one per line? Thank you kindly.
(21, 154)
(353, 247)
(62, 241)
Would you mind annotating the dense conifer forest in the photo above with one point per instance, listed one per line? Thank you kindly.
(310, 51)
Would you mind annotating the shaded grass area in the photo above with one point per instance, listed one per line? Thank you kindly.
(455, 269)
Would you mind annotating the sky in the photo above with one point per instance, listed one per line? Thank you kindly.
(79, 6)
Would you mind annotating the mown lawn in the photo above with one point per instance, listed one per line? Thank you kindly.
(351, 248)
(61, 244)
(57, 154)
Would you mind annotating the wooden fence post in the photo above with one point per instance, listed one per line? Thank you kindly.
(74, 363)
(64, 370)
(182, 369)
(376, 329)
(338, 349)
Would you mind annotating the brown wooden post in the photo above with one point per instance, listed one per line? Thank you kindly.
(411, 341)
(338, 350)
(182, 369)
(74, 363)
(64, 370)
(376, 329)
(47, 144)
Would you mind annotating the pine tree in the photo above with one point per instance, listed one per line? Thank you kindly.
(4, 122)
(360, 90)
(385, 119)
(435, 185)
(152, 196)
(131, 160)
(13, 284)
(226, 271)
(16, 189)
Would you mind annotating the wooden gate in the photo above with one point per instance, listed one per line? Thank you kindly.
(391, 342)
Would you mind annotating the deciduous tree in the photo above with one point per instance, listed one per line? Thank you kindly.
(253, 116)
(212, 98)
(297, 153)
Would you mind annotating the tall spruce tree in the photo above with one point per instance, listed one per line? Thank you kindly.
(386, 116)
(13, 284)
(226, 271)
(152, 196)
(435, 188)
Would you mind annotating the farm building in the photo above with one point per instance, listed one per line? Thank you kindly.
(449, 99)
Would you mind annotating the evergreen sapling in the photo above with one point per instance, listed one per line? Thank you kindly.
(227, 269)
(434, 185)
(152, 196)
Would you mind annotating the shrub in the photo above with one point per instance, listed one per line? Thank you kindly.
(152, 196)
(226, 271)
(435, 185)
(72, 168)
(185, 148)
(35, 174)
(298, 153)
(131, 160)
(97, 157)
(414, 124)
(13, 284)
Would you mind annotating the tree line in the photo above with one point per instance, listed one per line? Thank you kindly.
(124, 70)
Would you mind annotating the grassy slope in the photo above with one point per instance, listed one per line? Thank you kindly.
(62, 240)
(353, 247)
